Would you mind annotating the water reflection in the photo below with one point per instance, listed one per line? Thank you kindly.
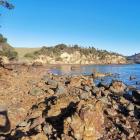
(66, 70)
(120, 72)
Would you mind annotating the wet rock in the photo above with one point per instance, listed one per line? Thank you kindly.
(98, 75)
(136, 95)
(95, 90)
(131, 88)
(103, 84)
(137, 83)
(132, 77)
(137, 112)
(35, 91)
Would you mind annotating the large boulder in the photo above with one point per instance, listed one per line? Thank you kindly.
(117, 87)
(87, 121)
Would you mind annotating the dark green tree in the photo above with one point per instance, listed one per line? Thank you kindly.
(6, 4)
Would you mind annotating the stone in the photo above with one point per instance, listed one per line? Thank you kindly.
(136, 95)
(84, 96)
(87, 121)
(60, 90)
(117, 87)
(137, 82)
(47, 129)
(92, 82)
(52, 83)
(131, 133)
(75, 82)
(104, 100)
(23, 124)
(103, 84)
(123, 100)
(132, 77)
(130, 107)
(35, 91)
(46, 78)
(95, 90)
(50, 91)
(87, 88)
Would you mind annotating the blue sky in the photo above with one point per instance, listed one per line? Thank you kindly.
(113, 25)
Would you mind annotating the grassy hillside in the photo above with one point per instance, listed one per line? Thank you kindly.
(73, 54)
(22, 51)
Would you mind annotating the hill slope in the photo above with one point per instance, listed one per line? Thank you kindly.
(63, 54)
(134, 58)
(22, 51)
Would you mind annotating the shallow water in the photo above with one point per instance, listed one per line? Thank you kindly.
(120, 72)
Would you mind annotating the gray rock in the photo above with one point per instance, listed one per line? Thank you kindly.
(60, 90)
(138, 83)
(84, 96)
(45, 79)
(87, 88)
(132, 77)
(52, 83)
(35, 91)
(103, 84)
(92, 82)
(95, 90)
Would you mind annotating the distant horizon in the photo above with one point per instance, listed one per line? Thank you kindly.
(112, 25)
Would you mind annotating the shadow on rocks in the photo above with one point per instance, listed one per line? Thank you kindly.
(57, 122)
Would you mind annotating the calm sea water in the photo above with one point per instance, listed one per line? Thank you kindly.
(120, 72)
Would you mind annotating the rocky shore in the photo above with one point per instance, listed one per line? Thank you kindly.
(43, 106)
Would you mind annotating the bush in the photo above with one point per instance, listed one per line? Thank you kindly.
(30, 55)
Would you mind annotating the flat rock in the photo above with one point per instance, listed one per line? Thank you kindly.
(35, 91)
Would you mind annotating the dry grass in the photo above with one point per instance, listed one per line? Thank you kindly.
(23, 51)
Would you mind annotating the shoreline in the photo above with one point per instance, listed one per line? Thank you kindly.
(54, 106)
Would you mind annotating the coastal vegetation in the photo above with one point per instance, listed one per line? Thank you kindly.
(6, 49)
(63, 53)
